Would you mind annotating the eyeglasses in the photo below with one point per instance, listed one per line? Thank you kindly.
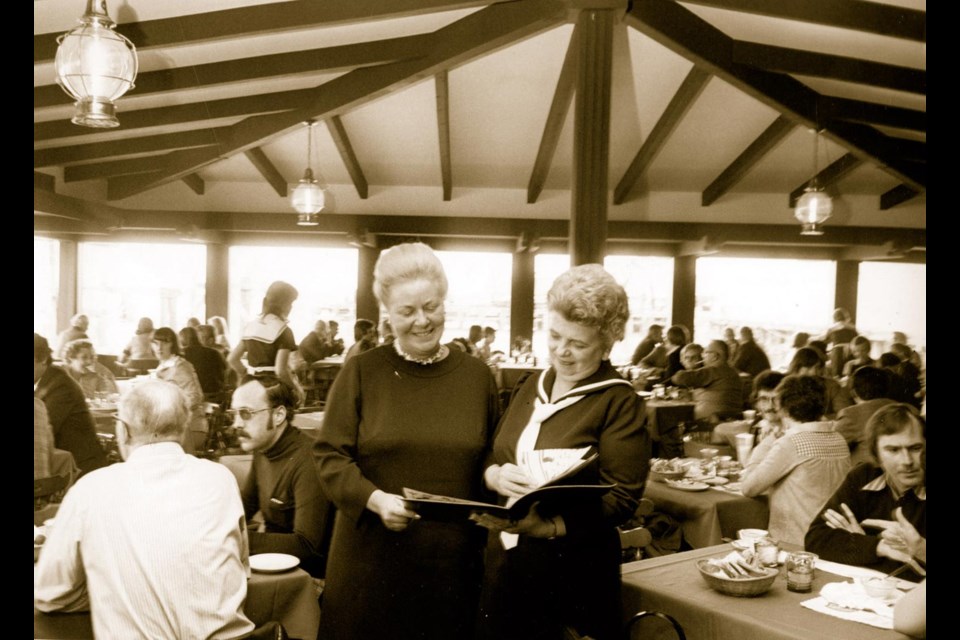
(245, 414)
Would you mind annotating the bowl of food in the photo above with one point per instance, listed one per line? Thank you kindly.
(738, 578)
(881, 588)
(662, 470)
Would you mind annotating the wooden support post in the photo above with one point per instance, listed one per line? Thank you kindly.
(591, 137)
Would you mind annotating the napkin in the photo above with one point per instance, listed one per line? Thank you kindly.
(851, 595)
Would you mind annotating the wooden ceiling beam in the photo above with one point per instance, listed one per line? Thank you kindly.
(859, 15)
(259, 104)
(753, 154)
(898, 195)
(339, 134)
(46, 204)
(195, 182)
(125, 146)
(330, 59)
(463, 40)
(681, 102)
(254, 225)
(259, 19)
(110, 168)
(559, 108)
(442, 87)
(832, 108)
(678, 29)
(44, 181)
(268, 170)
(828, 176)
(823, 65)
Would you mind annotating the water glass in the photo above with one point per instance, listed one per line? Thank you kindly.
(800, 566)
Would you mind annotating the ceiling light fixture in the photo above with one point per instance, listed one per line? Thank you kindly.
(815, 205)
(95, 65)
(310, 196)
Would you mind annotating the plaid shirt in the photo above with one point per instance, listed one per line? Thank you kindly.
(42, 441)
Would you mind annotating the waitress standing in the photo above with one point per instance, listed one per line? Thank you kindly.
(562, 567)
(417, 414)
(267, 340)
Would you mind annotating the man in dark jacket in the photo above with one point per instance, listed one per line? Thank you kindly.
(878, 516)
(73, 426)
(750, 357)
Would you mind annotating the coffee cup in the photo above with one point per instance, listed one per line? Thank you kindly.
(750, 415)
(752, 535)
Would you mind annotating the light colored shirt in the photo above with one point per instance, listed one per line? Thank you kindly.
(155, 547)
(800, 470)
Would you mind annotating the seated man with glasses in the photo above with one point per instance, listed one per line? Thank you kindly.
(766, 423)
(717, 390)
(282, 484)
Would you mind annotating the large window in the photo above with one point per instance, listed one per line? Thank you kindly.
(479, 293)
(648, 282)
(649, 285)
(776, 298)
(326, 280)
(121, 282)
(893, 297)
(46, 287)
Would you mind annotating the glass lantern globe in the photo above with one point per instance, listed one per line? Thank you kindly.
(308, 199)
(813, 209)
(95, 65)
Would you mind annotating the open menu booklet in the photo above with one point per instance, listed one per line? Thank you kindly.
(554, 470)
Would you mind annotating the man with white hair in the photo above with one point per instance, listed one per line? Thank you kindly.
(155, 547)
(717, 390)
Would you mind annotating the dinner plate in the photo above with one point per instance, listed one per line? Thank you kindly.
(716, 480)
(273, 562)
(687, 485)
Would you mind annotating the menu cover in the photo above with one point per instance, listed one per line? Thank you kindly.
(556, 491)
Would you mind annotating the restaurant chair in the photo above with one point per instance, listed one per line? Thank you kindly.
(635, 538)
(48, 490)
(642, 616)
(220, 435)
(569, 633)
(108, 442)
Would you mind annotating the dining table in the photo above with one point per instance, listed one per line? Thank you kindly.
(708, 516)
(672, 584)
(289, 598)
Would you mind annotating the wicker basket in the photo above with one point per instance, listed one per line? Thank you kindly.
(741, 587)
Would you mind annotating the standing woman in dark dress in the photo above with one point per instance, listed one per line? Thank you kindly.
(267, 340)
(414, 414)
(564, 566)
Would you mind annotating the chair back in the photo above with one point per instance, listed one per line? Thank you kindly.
(45, 487)
(569, 633)
(641, 616)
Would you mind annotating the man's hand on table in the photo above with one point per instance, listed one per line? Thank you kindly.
(846, 521)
